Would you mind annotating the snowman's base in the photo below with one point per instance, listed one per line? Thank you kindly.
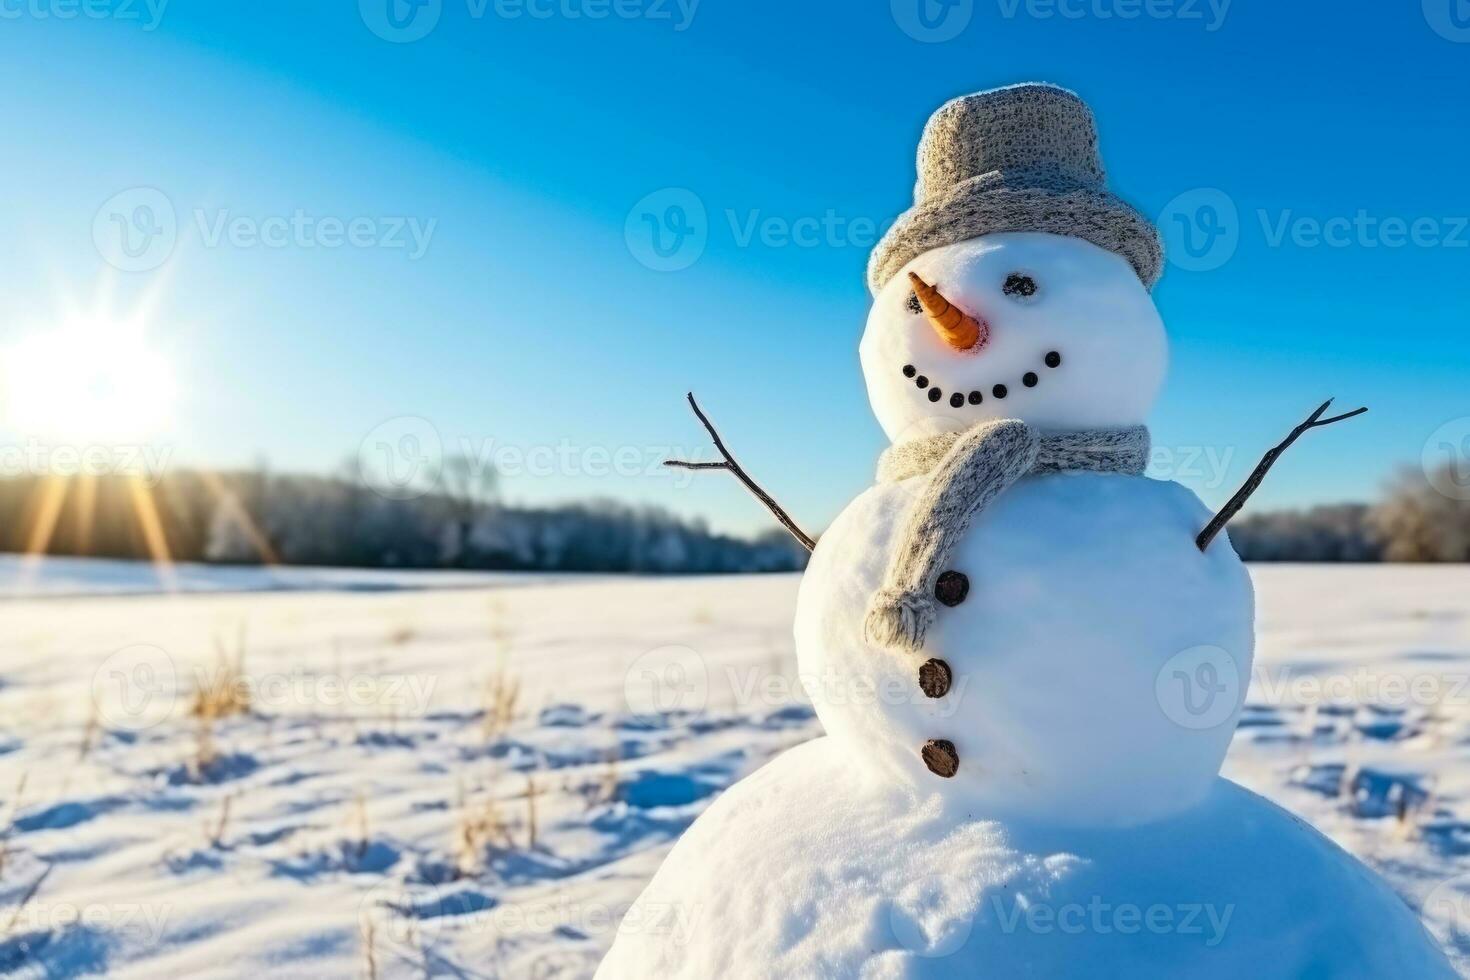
(799, 872)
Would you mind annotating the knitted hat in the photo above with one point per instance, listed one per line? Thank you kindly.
(1020, 158)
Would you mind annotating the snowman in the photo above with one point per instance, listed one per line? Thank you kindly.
(1028, 657)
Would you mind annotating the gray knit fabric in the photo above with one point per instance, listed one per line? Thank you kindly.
(1021, 158)
(967, 471)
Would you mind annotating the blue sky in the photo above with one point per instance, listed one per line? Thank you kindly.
(522, 140)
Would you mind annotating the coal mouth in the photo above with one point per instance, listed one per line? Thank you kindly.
(976, 396)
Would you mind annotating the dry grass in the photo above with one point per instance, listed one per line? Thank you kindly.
(605, 788)
(370, 949)
(9, 829)
(499, 699)
(480, 833)
(360, 832)
(25, 900)
(89, 733)
(1437, 721)
(501, 692)
(409, 948)
(532, 791)
(225, 691)
(205, 752)
(220, 693)
(501, 630)
(1411, 812)
(214, 830)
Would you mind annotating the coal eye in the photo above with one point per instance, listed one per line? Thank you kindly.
(1019, 286)
(913, 303)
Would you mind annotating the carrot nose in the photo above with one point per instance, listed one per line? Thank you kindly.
(957, 328)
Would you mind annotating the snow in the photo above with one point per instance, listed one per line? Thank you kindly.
(642, 701)
(1087, 593)
(22, 577)
(879, 882)
(1089, 307)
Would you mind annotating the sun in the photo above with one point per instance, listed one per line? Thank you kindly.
(93, 383)
(87, 380)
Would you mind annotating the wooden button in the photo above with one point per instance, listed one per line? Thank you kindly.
(951, 588)
(935, 678)
(941, 758)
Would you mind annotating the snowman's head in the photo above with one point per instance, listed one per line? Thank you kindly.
(1046, 328)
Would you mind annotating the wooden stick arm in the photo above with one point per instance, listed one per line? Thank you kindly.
(1253, 482)
(1217, 523)
(731, 466)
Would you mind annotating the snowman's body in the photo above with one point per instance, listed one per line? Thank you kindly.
(1086, 833)
(1075, 824)
(1087, 596)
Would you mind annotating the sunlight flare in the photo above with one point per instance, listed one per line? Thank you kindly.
(93, 380)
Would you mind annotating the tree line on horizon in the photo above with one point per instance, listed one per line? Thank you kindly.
(1412, 521)
(258, 517)
(254, 517)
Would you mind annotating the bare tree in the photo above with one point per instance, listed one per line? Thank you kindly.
(468, 486)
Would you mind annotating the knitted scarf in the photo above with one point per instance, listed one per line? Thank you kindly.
(967, 470)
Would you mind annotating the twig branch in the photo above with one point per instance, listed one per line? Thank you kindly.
(1235, 503)
(734, 468)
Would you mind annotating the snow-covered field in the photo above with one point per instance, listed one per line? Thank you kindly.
(22, 577)
(398, 781)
